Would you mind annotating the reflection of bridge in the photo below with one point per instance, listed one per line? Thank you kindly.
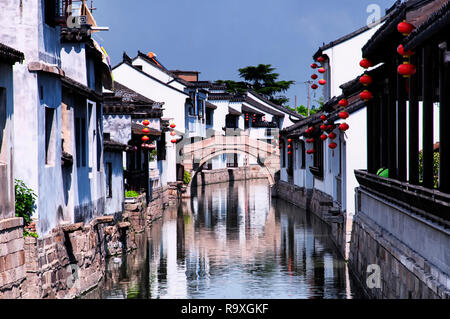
(267, 155)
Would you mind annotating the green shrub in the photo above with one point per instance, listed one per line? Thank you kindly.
(25, 201)
(186, 177)
(131, 194)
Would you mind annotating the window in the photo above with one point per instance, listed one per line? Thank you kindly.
(3, 156)
(200, 107)
(49, 138)
(161, 148)
(99, 139)
(108, 174)
(80, 141)
(51, 7)
(303, 150)
(209, 116)
(317, 169)
(282, 154)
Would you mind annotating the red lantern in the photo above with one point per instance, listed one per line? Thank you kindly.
(322, 82)
(314, 86)
(323, 117)
(323, 127)
(344, 127)
(314, 66)
(405, 28)
(322, 70)
(406, 69)
(146, 130)
(174, 141)
(321, 59)
(332, 146)
(310, 141)
(332, 136)
(173, 125)
(366, 95)
(330, 127)
(146, 123)
(365, 63)
(314, 76)
(310, 152)
(402, 52)
(289, 146)
(289, 153)
(344, 115)
(323, 137)
(173, 133)
(343, 103)
(365, 80)
(289, 140)
(145, 139)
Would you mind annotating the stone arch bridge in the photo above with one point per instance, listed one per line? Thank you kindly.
(266, 154)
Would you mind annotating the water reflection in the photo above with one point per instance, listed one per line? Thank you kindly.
(232, 241)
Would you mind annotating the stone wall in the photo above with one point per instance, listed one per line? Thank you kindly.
(70, 261)
(12, 257)
(404, 271)
(321, 205)
(229, 174)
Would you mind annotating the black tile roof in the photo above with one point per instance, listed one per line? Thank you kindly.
(435, 23)
(10, 55)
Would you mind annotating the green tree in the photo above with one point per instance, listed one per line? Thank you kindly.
(302, 110)
(263, 80)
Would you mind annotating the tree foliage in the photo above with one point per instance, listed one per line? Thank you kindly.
(25, 201)
(263, 80)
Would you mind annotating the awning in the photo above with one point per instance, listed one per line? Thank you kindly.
(247, 109)
(210, 106)
(234, 112)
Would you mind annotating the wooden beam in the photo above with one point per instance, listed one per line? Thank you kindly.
(428, 127)
(370, 139)
(383, 125)
(444, 143)
(401, 126)
(414, 125)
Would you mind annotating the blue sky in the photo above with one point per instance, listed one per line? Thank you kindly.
(217, 37)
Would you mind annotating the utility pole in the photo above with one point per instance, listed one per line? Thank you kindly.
(308, 87)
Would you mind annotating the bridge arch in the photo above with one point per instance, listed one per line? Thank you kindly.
(267, 155)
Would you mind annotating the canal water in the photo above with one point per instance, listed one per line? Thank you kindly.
(231, 241)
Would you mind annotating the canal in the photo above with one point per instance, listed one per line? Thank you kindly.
(232, 240)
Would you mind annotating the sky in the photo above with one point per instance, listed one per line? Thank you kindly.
(218, 37)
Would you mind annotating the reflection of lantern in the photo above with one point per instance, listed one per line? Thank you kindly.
(365, 80)
(402, 52)
(146, 130)
(332, 145)
(365, 63)
(322, 70)
(344, 127)
(343, 102)
(146, 123)
(406, 69)
(405, 28)
(322, 82)
(323, 137)
(173, 125)
(366, 95)
(173, 133)
(344, 115)
(145, 138)
(314, 76)
(332, 136)
(173, 141)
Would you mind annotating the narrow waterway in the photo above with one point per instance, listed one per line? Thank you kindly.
(231, 240)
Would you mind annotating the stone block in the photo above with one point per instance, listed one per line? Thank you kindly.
(9, 223)
(15, 245)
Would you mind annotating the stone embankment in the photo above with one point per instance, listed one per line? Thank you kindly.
(70, 260)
